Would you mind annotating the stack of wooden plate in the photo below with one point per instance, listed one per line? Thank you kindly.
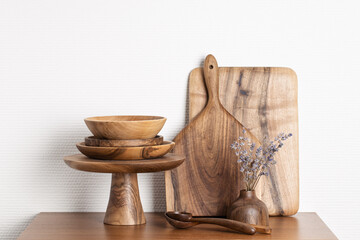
(125, 138)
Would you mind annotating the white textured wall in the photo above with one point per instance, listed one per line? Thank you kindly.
(62, 61)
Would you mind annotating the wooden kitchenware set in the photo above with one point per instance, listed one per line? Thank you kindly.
(263, 100)
(224, 103)
(124, 146)
(125, 138)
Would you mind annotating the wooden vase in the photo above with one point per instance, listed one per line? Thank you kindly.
(249, 209)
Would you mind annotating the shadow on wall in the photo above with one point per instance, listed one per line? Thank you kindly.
(69, 189)
(14, 230)
(55, 187)
(158, 179)
(158, 183)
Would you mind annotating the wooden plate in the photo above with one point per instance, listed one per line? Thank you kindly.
(98, 142)
(125, 153)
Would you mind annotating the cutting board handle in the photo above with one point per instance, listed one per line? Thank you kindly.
(211, 74)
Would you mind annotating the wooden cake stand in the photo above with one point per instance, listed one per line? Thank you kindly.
(124, 207)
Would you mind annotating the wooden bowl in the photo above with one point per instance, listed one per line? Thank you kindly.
(125, 127)
(126, 153)
(99, 142)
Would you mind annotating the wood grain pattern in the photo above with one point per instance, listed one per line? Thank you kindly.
(249, 209)
(83, 163)
(124, 207)
(99, 142)
(209, 180)
(89, 226)
(125, 153)
(265, 101)
(125, 127)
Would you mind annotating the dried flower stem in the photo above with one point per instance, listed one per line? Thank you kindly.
(256, 162)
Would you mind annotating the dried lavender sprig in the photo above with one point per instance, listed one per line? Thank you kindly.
(256, 162)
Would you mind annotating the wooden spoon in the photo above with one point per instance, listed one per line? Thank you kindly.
(179, 224)
(185, 220)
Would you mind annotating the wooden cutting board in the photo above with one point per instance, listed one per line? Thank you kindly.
(264, 100)
(202, 186)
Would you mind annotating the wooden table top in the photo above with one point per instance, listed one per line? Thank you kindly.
(83, 163)
(89, 226)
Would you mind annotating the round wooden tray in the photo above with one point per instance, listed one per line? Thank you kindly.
(83, 163)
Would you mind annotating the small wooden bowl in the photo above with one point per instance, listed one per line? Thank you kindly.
(126, 153)
(125, 127)
(98, 142)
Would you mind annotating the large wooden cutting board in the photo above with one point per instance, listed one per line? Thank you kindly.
(202, 185)
(264, 100)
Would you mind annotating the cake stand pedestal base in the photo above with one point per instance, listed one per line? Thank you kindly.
(124, 207)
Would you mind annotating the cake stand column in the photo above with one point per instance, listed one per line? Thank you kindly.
(124, 207)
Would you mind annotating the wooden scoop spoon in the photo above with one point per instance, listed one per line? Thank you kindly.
(185, 220)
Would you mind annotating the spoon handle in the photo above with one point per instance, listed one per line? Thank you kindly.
(262, 229)
(232, 224)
